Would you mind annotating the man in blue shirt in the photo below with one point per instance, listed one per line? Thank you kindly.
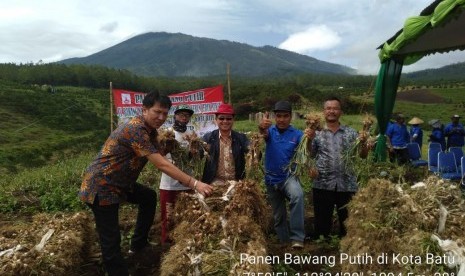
(437, 134)
(399, 138)
(416, 133)
(455, 133)
(282, 140)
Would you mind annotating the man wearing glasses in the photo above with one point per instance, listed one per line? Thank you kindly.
(336, 181)
(170, 187)
(227, 149)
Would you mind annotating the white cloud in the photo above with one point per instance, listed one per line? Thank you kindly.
(13, 13)
(313, 38)
(345, 32)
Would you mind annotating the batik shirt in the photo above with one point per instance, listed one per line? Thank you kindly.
(226, 169)
(331, 153)
(116, 168)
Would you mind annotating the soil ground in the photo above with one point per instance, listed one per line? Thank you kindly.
(419, 96)
(93, 265)
(11, 225)
(151, 264)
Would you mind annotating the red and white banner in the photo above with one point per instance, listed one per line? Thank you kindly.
(128, 104)
(203, 101)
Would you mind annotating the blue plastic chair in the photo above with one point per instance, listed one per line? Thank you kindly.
(447, 166)
(434, 145)
(458, 153)
(414, 154)
(433, 159)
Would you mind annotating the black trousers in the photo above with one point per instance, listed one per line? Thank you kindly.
(324, 202)
(400, 156)
(107, 224)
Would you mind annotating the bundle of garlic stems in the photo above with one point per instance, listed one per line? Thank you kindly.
(302, 158)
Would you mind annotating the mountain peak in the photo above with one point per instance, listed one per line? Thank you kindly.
(176, 54)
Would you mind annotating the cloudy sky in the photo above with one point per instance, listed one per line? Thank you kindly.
(345, 32)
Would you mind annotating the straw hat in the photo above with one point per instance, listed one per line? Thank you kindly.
(415, 121)
(435, 123)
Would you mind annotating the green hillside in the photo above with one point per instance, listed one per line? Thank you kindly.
(39, 125)
(174, 55)
(446, 76)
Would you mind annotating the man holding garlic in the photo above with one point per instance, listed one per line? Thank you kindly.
(334, 181)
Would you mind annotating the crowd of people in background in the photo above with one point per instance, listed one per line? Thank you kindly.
(112, 177)
(452, 135)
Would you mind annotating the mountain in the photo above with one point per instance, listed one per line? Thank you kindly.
(453, 72)
(172, 55)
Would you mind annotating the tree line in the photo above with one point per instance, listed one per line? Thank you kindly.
(248, 94)
(256, 93)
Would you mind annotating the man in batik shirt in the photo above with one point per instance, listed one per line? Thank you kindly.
(111, 180)
(335, 182)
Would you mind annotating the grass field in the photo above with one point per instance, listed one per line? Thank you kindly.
(39, 126)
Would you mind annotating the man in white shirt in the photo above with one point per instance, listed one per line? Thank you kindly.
(169, 187)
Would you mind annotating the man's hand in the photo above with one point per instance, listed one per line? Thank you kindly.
(310, 133)
(265, 123)
(313, 172)
(362, 136)
(204, 189)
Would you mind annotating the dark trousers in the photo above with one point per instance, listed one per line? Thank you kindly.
(107, 224)
(400, 156)
(323, 204)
